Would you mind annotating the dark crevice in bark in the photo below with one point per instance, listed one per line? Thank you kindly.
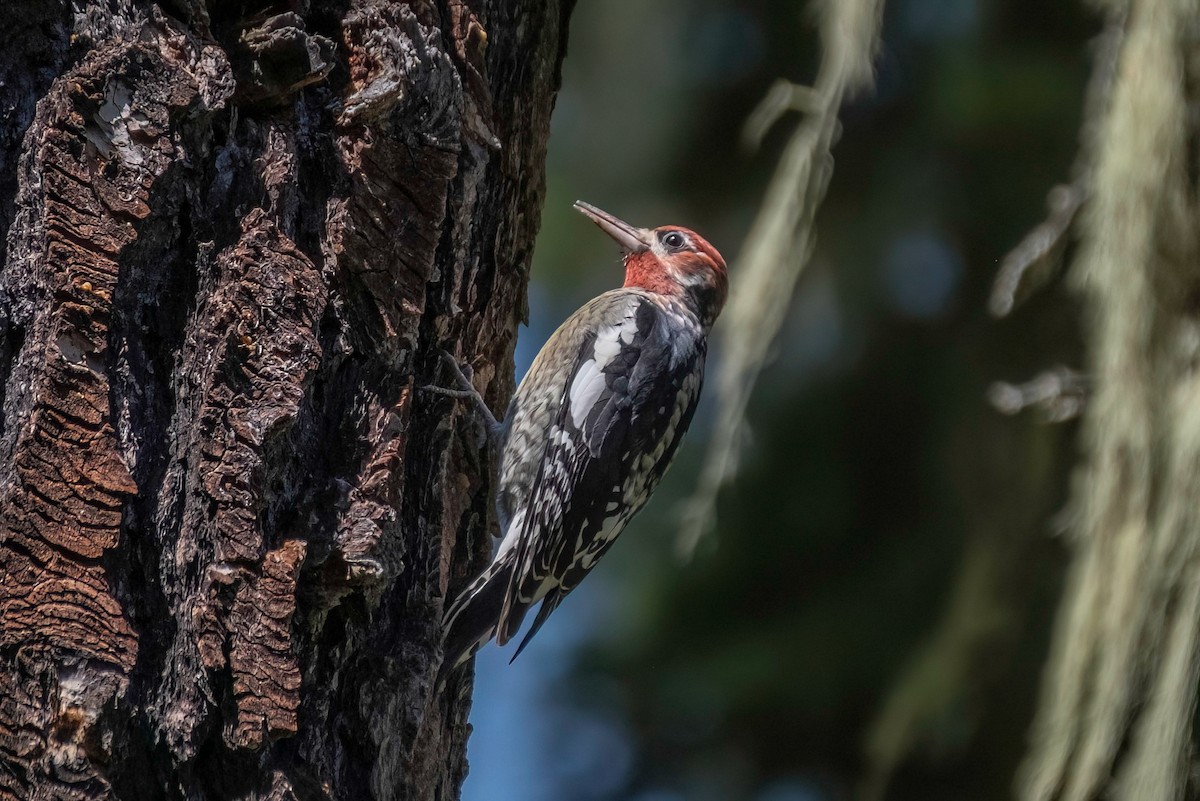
(12, 339)
(154, 297)
(37, 35)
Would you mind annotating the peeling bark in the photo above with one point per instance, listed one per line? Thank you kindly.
(235, 239)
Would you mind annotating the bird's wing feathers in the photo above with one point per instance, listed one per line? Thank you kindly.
(608, 445)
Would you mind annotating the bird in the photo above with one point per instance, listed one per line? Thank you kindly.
(591, 430)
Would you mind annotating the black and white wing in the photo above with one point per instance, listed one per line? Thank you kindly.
(623, 410)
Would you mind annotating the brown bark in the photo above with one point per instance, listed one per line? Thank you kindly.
(236, 235)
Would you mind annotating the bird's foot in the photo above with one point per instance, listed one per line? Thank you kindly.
(466, 391)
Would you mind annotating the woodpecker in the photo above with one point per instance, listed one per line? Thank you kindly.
(592, 428)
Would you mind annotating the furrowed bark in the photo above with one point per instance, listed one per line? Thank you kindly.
(229, 519)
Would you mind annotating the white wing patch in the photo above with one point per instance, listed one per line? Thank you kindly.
(589, 382)
(585, 389)
(608, 344)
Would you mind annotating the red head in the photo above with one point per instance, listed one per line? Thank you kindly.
(669, 260)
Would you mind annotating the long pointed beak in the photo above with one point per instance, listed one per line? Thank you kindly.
(629, 238)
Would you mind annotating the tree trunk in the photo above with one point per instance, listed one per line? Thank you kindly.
(236, 237)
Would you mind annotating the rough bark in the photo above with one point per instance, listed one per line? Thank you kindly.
(237, 234)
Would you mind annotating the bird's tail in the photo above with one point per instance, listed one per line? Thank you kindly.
(471, 620)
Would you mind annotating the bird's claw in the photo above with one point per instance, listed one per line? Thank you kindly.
(463, 372)
(463, 375)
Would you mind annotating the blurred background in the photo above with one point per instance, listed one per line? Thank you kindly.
(871, 615)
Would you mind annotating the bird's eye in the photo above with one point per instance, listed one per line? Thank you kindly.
(674, 240)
